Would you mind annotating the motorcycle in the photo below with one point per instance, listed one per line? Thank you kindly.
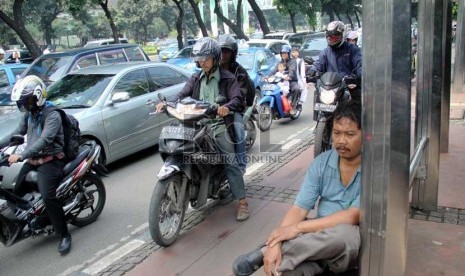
(192, 171)
(330, 90)
(81, 192)
(249, 125)
(271, 105)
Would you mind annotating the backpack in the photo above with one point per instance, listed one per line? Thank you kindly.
(71, 132)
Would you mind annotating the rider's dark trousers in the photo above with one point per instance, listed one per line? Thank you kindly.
(49, 176)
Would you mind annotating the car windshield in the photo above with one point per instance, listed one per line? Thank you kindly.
(78, 91)
(49, 69)
(5, 99)
(246, 60)
(315, 44)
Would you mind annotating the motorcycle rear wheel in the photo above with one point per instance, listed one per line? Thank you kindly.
(322, 143)
(94, 203)
(265, 117)
(250, 134)
(165, 219)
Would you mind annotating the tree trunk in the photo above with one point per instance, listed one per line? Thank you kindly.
(240, 34)
(294, 28)
(48, 32)
(260, 17)
(338, 16)
(202, 26)
(145, 33)
(239, 15)
(17, 24)
(179, 24)
(350, 20)
(113, 27)
(358, 19)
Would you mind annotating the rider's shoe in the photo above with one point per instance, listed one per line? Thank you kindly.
(65, 244)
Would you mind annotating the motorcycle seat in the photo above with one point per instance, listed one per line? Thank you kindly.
(82, 154)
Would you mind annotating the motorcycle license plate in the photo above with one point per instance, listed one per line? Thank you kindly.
(324, 107)
(175, 132)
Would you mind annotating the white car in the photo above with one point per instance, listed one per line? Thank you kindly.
(274, 45)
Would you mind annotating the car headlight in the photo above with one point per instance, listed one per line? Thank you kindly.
(327, 96)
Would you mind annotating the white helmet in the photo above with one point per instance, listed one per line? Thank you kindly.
(2, 52)
(29, 94)
(335, 33)
(352, 37)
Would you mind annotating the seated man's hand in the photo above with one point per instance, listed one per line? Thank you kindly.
(14, 158)
(282, 234)
(272, 260)
(159, 108)
(222, 111)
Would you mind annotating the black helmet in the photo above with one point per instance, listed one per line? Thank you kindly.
(204, 48)
(29, 94)
(335, 33)
(228, 42)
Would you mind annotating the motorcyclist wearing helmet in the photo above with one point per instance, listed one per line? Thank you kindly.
(352, 37)
(340, 57)
(291, 68)
(228, 62)
(43, 152)
(207, 85)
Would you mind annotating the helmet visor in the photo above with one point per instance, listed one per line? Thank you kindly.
(333, 38)
(28, 103)
(202, 58)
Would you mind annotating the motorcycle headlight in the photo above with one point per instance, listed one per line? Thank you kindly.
(327, 96)
(268, 86)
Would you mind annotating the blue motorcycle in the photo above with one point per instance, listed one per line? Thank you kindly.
(271, 106)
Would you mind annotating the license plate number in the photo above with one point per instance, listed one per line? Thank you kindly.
(324, 107)
(174, 132)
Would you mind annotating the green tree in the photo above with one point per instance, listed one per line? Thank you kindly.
(195, 7)
(138, 15)
(77, 6)
(42, 13)
(15, 20)
(234, 27)
(260, 17)
(291, 7)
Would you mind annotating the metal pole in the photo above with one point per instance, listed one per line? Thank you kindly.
(459, 66)
(386, 131)
(446, 85)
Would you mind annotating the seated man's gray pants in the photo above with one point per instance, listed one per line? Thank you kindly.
(309, 254)
(233, 173)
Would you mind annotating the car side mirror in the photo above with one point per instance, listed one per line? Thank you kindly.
(120, 97)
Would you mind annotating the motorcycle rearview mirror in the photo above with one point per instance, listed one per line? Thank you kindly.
(221, 100)
(161, 97)
(16, 140)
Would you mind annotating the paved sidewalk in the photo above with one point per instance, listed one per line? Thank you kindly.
(211, 240)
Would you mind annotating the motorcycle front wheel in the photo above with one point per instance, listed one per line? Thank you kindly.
(92, 203)
(322, 142)
(265, 117)
(167, 212)
(250, 134)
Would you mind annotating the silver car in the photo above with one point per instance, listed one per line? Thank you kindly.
(115, 104)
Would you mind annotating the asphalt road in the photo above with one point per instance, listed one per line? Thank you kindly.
(129, 187)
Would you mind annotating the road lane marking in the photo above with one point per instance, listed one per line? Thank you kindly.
(291, 144)
(113, 257)
(253, 168)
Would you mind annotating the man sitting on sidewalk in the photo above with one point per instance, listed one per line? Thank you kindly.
(301, 246)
